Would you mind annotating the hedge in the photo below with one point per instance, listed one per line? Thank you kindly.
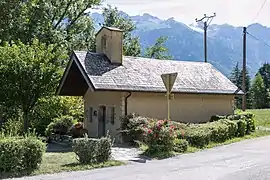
(198, 136)
(20, 153)
(92, 151)
(180, 145)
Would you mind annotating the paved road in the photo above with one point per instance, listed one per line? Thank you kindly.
(247, 160)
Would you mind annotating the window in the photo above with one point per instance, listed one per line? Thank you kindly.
(111, 114)
(90, 114)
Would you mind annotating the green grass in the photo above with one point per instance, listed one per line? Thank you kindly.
(262, 117)
(61, 162)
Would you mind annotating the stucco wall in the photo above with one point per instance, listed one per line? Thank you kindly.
(184, 108)
(97, 99)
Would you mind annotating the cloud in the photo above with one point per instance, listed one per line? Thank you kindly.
(235, 12)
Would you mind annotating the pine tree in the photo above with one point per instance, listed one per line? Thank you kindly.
(237, 78)
(259, 93)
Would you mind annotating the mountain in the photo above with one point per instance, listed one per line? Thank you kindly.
(185, 42)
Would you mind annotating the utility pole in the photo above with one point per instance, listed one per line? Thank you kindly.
(206, 23)
(244, 103)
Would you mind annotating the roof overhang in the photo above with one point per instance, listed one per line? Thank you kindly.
(75, 81)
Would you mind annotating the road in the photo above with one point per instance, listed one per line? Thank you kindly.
(245, 160)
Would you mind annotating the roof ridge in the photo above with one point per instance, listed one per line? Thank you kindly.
(175, 60)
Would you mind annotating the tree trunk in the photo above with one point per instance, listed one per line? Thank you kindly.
(25, 120)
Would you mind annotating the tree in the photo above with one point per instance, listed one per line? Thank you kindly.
(265, 73)
(259, 93)
(28, 73)
(113, 18)
(48, 109)
(237, 78)
(235, 75)
(64, 22)
(158, 50)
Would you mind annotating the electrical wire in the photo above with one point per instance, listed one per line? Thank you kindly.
(258, 13)
(256, 38)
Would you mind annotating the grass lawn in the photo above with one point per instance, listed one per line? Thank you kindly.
(262, 117)
(62, 162)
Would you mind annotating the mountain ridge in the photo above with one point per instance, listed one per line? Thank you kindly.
(185, 42)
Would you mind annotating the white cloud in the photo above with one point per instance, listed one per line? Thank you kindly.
(235, 12)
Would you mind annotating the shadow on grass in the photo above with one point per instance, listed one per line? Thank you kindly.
(58, 147)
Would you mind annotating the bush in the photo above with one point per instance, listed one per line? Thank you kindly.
(250, 119)
(180, 145)
(219, 132)
(91, 151)
(20, 153)
(198, 136)
(131, 127)
(159, 136)
(232, 127)
(217, 118)
(241, 128)
(61, 124)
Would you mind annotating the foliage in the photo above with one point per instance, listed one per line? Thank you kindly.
(92, 151)
(20, 153)
(219, 131)
(61, 124)
(232, 127)
(264, 71)
(260, 94)
(242, 128)
(13, 127)
(198, 136)
(158, 50)
(159, 136)
(64, 23)
(180, 145)
(237, 78)
(113, 18)
(49, 108)
(217, 118)
(131, 127)
(28, 73)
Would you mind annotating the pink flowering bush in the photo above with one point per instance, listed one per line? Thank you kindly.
(159, 135)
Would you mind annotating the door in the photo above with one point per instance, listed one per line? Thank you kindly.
(101, 121)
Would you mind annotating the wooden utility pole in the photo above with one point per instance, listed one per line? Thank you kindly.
(244, 100)
(206, 24)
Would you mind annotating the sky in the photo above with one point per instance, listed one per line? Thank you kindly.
(234, 12)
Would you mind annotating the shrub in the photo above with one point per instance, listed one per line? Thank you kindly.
(232, 127)
(219, 132)
(20, 153)
(217, 118)
(91, 151)
(250, 119)
(159, 136)
(198, 136)
(61, 124)
(131, 127)
(180, 145)
(241, 128)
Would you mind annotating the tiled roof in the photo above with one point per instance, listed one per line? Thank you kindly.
(142, 74)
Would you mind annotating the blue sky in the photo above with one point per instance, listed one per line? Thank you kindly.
(234, 12)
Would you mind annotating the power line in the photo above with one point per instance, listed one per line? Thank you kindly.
(256, 38)
(258, 13)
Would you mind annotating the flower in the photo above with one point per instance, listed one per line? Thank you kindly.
(149, 131)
